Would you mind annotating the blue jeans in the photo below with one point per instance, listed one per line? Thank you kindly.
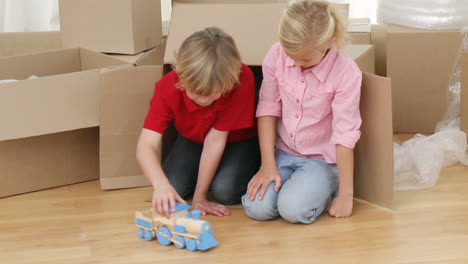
(308, 186)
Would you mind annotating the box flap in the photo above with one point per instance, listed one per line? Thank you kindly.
(91, 60)
(49, 104)
(464, 94)
(373, 180)
(154, 56)
(125, 94)
(40, 64)
(254, 27)
(20, 43)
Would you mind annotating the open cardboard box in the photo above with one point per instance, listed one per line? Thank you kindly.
(254, 28)
(19, 43)
(420, 64)
(50, 132)
(123, 26)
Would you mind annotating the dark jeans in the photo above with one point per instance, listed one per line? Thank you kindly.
(239, 163)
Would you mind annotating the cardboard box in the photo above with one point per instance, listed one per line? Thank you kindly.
(419, 72)
(20, 43)
(125, 93)
(114, 26)
(359, 30)
(464, 93)
(254, 36)
(50, 136)
(124, 102)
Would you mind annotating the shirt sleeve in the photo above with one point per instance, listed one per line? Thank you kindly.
(269, 103)
(159, 114)
(240, 112)
(346, 115)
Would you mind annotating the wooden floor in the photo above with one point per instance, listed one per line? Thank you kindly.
(82, 224)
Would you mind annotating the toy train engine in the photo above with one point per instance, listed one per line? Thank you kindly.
(179, 228)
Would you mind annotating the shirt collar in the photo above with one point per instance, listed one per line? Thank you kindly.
(217, 105)
(322, 70)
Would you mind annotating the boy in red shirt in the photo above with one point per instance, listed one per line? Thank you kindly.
(210, 96)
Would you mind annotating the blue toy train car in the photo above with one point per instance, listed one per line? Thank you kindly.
(179, 229)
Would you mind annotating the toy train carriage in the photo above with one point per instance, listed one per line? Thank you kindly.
(179, 228)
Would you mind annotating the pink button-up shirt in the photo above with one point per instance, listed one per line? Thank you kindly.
(318, 108)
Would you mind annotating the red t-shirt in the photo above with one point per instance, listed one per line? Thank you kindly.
(233, 112)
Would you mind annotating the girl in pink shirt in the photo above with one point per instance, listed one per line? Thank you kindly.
(308, 120)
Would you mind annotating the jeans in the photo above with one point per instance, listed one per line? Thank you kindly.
(308, 186)
(240, 161)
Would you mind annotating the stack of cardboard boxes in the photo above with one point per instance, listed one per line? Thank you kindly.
(81, 119)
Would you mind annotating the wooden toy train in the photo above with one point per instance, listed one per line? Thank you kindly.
(179, 228)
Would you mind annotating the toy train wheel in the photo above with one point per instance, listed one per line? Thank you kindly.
(140, 233)
(191, 244)
(181, 240)
(162, 240)
(149, 235)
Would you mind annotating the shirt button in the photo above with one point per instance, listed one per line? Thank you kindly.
(302, 80)
(290, 134)
(207, 126)
(297, 100)
(206, 117)
(297, 115)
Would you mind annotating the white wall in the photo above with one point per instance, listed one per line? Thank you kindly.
(42, 15)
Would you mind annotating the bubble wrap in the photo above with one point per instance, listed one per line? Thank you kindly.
(418, 161)
(427, 14)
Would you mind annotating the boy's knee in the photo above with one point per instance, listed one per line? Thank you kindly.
(259, 209)
(225, 195)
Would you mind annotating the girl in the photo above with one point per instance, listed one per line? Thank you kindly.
(309, 110)
(210, 96)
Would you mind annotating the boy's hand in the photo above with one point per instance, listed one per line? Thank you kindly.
(207, 207)
(261, 180)
(341, 206)
(165, 198)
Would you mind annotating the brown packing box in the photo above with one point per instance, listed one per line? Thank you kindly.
(124, 102)
(114, 26)
(420, 64)
(20, 43)
(464, 94)
(50, 135)
(359, 30)
(254, 36)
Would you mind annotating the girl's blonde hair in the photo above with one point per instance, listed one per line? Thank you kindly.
(207, 62)
(313, 22)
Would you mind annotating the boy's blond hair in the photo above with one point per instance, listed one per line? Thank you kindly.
(308, 22)
(207, 62)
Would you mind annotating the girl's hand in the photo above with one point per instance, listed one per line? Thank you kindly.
(341, 206)
(261, 180)
(164, 199)
(207, 207)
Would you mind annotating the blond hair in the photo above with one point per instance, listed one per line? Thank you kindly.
(309, 22)
(207, 62)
